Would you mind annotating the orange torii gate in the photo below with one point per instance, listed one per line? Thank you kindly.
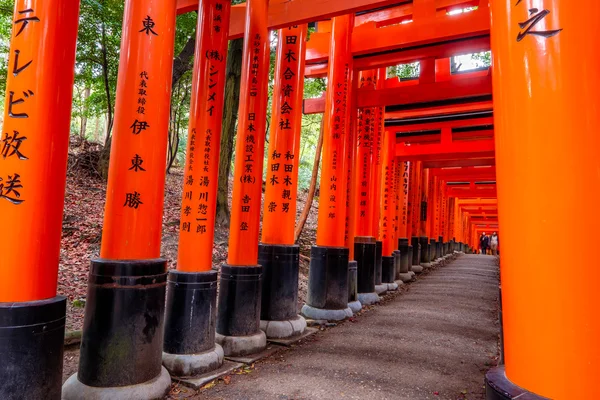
(554, 41)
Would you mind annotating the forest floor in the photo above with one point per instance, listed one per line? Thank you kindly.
(82, 234)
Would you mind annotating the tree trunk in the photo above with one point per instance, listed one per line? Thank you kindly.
(230, 112)
(97, 130)
(312, 190)
(86, 95)
(105, 155)
(183, 62)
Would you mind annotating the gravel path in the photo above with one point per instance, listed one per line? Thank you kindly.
(434, 341)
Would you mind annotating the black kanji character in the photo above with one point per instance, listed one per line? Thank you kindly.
(139, 126)
(148, 25)
(9, 191)
(287, 90)
(272, 207)
(11, 145)
(286, 108)
(288, 74)
(132, 200)
(136, 164)
(290, 56)
(291, 39)
(285, 124)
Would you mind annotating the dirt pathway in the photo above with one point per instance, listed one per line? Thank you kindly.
(433, 342)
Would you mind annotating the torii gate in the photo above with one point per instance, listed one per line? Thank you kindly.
(534, 102)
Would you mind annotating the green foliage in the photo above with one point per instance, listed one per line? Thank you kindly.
(404, 71)
(483, 59)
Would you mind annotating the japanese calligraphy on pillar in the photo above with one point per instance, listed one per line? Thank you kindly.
(250, 142)
(200, 184)
(397, 185)
(534, 16)
(376, 155)
(388, 197)
(403, 206)
(279, 214)
(34, 141)
(332, 205)
(15, 142)
(135, 194)
(364, 156)
(350, 201)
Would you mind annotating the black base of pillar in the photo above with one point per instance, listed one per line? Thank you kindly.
(388, 270)
(328, 278)
(410, 257)
(239, 300)
(31, 349)
(190, 320)
(238, 316)
(499, 387)
(365, 256)
(378, 259)
(191, 316)
(403, 247)
(327, 296)
(122, 338)
(352, 281)
(353, 302)
(440, 247)
(281, 264)
(432, 250)
(425, 250)
(397, 257)
(416, 256)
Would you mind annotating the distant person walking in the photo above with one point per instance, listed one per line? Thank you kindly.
(494, 243)
(484, 242)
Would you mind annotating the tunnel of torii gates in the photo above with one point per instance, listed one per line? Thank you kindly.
(409, 172)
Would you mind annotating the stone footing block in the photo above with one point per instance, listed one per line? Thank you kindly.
(283, 329)
(238, 346)
(194, 364)
(355, 306)
(368, 298)
(154, 389)
(323, 314)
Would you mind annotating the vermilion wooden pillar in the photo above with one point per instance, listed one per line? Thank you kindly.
(278, 254)
(546, 125)
(33, 164)
(424, 228)
(415, 220)
(238, 320)
(352, 200)
(388, 210)
(189, 345)
(328, 278)
(126, 287)
(404, 268)
(365, 247)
